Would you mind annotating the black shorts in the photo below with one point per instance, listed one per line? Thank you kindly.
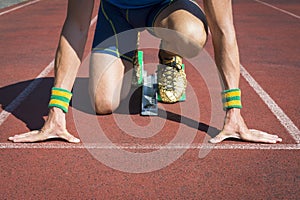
(117, 29)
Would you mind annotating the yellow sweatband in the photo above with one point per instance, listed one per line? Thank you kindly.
(60, 98)
(231, 99)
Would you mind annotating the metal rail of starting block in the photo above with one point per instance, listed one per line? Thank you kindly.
(149, 95)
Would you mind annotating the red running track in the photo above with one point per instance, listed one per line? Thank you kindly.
(268, 40)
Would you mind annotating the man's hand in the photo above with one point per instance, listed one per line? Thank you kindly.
(235, 127)
(54, 127)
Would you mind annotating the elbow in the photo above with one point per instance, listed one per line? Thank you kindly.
(76, 27)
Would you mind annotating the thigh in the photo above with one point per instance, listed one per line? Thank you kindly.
(182, 27)
(107, 83)
(114, 35)
(181, 13)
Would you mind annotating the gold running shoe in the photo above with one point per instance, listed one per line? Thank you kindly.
(171, 78)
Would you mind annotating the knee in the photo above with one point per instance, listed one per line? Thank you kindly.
(196, 34)
(105, 106)
(192, 38)
(188, 34)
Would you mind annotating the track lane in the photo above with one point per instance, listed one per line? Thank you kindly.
(287, 7)
(73, 173)
(269, 52)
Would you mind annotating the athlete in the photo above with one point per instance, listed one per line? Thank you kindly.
(110, 58)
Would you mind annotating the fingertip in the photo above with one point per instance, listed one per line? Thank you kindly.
(75, 140)
(214, 141)
(14, 140)
(211, 141)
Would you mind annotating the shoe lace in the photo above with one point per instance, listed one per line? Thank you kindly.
(171, 68)
(175, 62)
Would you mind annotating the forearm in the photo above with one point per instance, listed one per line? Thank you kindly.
(227, 59)
(72, 42)
(220, 20)
(68, 58)
(67, 62)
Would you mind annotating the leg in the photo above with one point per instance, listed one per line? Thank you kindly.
(110, 59)
(183, 30)
(107, 84)
(189, 25)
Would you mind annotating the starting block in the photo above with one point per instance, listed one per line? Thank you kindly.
(150, 94)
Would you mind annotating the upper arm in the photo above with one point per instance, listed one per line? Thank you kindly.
(79, 13)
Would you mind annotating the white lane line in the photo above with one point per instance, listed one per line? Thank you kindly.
(18, 7)
(27, 91)
(150, 146)
(281, 116)
(275, 109)
(279, 9)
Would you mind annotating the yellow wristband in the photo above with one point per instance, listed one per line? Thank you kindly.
(231, 99)
(60, 98)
